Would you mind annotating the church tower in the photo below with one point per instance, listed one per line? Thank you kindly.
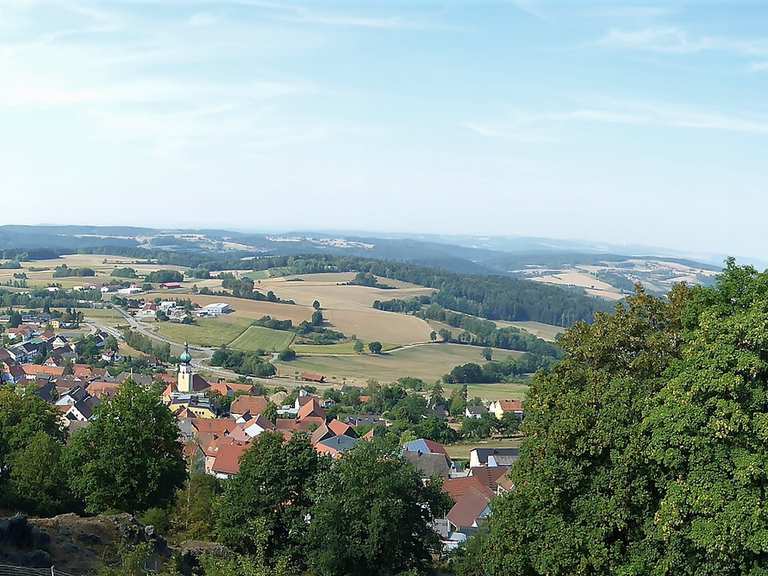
(184, 379)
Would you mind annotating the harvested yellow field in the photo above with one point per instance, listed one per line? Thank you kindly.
(369, 324)
(325, 288)
(591, 285)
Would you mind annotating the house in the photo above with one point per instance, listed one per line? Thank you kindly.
(253, 405)
(313, 377)
(469, 511)
(311, 408)
(111, 357)
(46, 391)
(492, 457)
(476, 412)
(229, 389)
(336, 446)
(494, 477)
(425, 447)
(429, 465)
(171, 285)
(501, 407)
(21, 333)
(197, 404)
(340, 428)
(251, 427)
(80, 411)
(130, 291)
(223, 457)
(103, 390)
(32, 371)
(287, 427)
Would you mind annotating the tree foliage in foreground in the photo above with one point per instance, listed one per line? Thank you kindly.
(129, 457)
(373, 515)
(646, 447)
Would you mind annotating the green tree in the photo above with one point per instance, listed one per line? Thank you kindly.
(433, 335)
(38, 481)
(373, 515)
(358, 346)
(317, 318)
(316, 305)
(193, 512)
(585, 495)
(129, 457)
(264, 508)
(487, 353)
(375, 347)
(270, 412)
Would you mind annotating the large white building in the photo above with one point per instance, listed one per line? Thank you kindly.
(215, 309)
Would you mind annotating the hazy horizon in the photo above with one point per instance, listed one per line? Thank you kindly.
(624, 123)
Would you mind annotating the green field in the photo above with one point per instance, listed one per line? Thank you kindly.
(498, 391)
(428, 362)
(260, 338)
(205, 332)
(264, 274)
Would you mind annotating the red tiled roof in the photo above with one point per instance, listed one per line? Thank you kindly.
(312, 377)
(435, 447)
(456, 488)
(99, 389)
(489, 476)
(468, 508)
(511, 405)
(228, 458)
(340, 428)
(253, 404)
(309, 423)
(37, 370)
(213, 425)
(311, 408)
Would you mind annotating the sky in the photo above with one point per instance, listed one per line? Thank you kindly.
(618, 122)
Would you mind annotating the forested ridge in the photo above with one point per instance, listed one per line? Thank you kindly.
(492, 297)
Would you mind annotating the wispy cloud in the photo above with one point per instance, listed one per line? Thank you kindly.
(527, 126)
(676, 40)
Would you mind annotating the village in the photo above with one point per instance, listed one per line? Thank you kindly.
(217, 421)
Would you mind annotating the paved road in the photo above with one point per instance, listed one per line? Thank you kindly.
(197, 363)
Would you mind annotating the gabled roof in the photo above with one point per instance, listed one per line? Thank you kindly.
(309, 423)
(489, 476)
(340, 428)
(227, 388)
(311, 408)
(219, 426)
(336, 446)
(227, 460)
(468, 509)
(425, 447)
(252, 404)
(511, 405)
(103, 389)
(429, 465)
(457, 487)
(37, 369)
(502, 456)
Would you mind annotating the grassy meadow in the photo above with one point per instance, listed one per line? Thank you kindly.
(260, 338)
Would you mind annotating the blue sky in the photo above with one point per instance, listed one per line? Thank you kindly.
(622, 122)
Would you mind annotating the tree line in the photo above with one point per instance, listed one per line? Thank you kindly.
(493, 297)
